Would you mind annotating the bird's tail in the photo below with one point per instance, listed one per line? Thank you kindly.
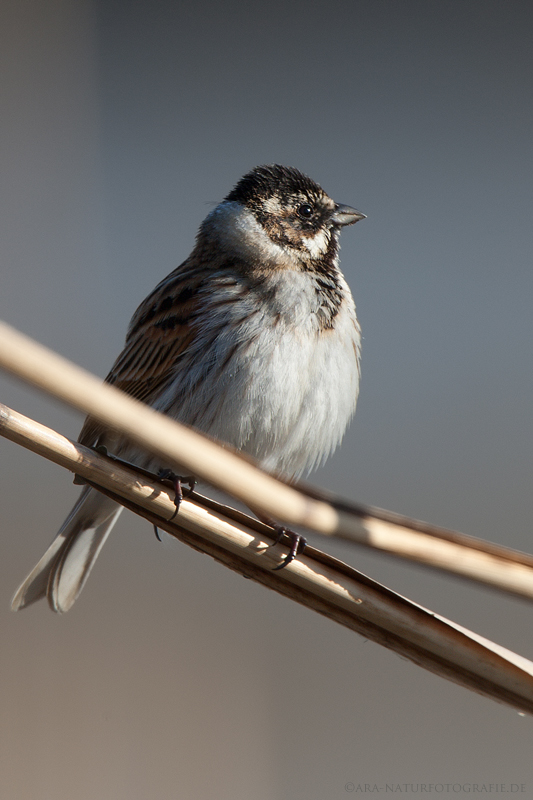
(61, 573)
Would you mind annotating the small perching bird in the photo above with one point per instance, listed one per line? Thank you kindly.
(253, 340)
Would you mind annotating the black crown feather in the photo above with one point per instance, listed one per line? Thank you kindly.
(267, 180)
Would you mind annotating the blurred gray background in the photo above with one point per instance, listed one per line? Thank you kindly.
(120, 124)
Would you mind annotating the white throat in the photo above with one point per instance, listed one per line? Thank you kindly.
(238, 231)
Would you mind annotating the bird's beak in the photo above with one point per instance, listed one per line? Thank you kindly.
(346, 215)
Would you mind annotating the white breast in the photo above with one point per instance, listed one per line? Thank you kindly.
(287, 389)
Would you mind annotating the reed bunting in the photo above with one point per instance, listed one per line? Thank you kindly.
(253, 340)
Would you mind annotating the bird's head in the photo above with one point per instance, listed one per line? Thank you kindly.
(278, 218)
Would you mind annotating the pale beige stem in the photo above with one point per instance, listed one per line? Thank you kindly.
(175, 444)
(316, 580)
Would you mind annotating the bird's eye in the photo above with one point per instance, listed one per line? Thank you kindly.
(305, 211)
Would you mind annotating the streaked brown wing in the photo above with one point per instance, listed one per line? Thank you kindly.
(161, 329)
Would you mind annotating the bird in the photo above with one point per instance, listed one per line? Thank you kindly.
(253, 340)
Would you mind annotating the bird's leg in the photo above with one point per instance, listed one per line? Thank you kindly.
(297, 542)
(176, 481)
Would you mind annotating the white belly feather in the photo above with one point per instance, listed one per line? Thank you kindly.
(288, 388)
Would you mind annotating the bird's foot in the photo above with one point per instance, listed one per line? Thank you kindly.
(297, 544)
(177, 482)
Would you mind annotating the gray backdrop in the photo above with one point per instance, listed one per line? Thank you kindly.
(120, 124)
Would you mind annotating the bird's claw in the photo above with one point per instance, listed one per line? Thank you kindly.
(297, 546)
(176, 481)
